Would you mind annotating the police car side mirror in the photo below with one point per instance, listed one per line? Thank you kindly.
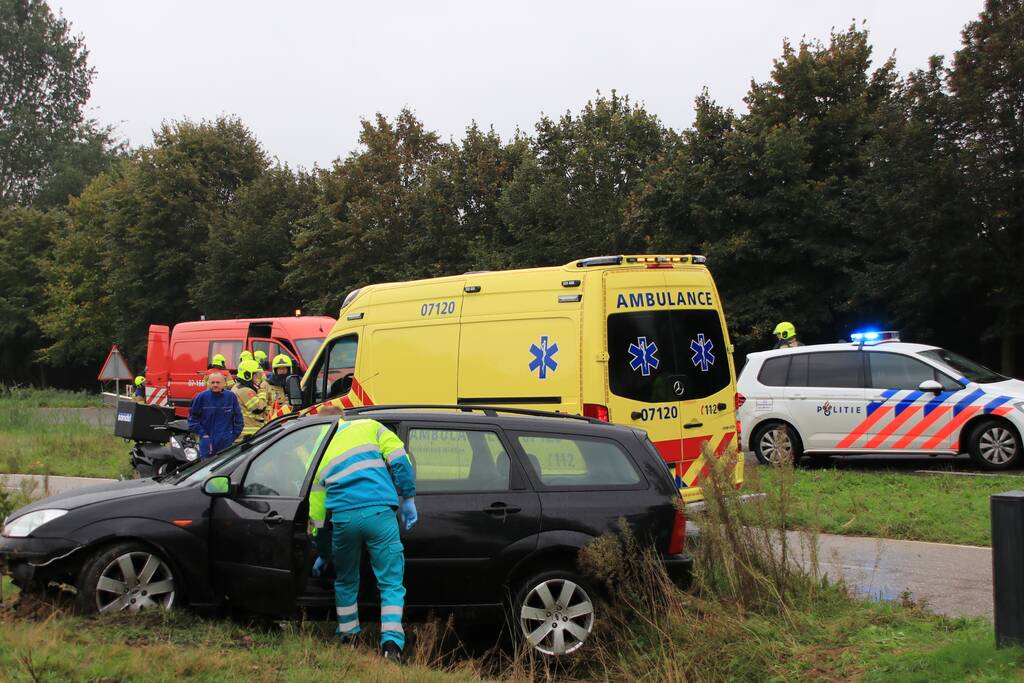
(293, 387)
(930, 385)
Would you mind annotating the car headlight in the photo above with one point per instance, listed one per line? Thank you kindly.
(191, 454)
(175, 442)
(26, 524)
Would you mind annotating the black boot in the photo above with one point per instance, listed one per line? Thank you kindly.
(391, 652)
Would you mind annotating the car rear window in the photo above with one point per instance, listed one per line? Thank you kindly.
(452, 460)
(570, 461)
(774, 371)
(659, 356)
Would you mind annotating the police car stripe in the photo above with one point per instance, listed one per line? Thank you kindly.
(966, 413)
(941, 398)
(995, 403)
(877, 403)
(873, 417)
(890, 428)
(908, 401)
(922, 426)
(966, 401)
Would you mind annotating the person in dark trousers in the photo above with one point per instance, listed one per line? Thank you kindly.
(215, 416)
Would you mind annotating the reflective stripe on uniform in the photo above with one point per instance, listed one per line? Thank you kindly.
(349, 625)
(397, 453)
(355, 467)
(391, 626)
(347, 610)
(352, 452)
(318, 523)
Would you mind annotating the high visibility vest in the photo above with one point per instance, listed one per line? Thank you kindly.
(253, 407)
(365, 464)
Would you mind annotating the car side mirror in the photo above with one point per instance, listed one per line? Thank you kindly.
(930, 385)
(217, 487)
(293, 387)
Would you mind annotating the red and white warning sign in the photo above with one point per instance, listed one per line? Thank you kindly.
(114, 368)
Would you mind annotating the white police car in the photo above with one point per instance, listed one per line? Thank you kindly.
(878, 395)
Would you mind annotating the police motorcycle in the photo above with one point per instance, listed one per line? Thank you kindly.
(163, 445)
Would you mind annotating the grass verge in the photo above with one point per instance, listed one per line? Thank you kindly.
(919, 507)
(32, 442)
(49, 398)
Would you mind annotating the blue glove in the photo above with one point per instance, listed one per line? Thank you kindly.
(318, 566)
(409, 515)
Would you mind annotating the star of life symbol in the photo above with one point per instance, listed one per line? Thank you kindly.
(702, 357)
(543, 357)
(642, 356)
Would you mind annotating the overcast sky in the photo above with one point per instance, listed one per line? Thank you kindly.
(302, 74)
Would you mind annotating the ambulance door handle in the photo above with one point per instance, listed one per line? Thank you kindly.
(636, 415)
(693, 425)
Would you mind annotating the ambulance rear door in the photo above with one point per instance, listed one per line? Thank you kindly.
(520, 342)
(669, 369)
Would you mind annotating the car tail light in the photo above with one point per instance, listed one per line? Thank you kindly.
(740, 400)
(595, 410)
(678, 538)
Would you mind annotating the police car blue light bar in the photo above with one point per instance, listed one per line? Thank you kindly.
(874, 336)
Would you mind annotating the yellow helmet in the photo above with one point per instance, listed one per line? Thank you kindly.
(219, 361)
(259, 355)
(785, 330)
(248, 369)
(244, 356)
(282, 360)
(140, 380)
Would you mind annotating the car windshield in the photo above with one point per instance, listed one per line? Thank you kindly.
(200, 470)
(308, 347)
(963, 367)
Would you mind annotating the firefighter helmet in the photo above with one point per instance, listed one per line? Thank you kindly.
(247, 369)
(282, 360)
(785, 330)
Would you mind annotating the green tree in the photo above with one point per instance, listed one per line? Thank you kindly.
(44, 85)
(137, 237)
(369, 227)
(24, 237)
(568, 198)
(987, 81)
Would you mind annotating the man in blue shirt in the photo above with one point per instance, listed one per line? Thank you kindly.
(215, 416)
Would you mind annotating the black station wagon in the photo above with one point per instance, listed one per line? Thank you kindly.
(506, 500)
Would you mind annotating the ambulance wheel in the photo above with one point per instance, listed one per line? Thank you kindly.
(777, 442)
(995, 445)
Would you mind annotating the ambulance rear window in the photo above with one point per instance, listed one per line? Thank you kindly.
(661, 356)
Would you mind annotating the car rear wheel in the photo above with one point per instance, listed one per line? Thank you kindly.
(776, 442)
(554, 612)
(126, 577)
(995, 445)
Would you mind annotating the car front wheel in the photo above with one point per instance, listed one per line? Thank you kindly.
(554, 612)
(126, 577)
(995, 445)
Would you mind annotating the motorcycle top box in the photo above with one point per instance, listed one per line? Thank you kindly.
(141, 422)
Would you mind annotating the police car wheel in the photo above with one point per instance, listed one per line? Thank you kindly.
(777, 442)
(995, 445)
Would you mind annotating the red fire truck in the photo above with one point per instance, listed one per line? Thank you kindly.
(177, 358)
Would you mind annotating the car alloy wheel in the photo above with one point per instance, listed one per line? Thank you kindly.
(556, 616)
(134, 581)
(996, 445)
(776, 445)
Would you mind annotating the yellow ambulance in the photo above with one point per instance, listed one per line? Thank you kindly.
(635, 340)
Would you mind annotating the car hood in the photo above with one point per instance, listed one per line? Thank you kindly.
(100, 493)
(1010, 387)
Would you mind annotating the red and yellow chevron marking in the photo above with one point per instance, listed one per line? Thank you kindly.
(341, 402)
(688, 463)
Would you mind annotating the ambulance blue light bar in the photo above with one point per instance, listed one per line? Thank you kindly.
(874, 336)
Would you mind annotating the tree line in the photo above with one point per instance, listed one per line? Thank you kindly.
(845, 195)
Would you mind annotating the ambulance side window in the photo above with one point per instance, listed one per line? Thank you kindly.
(334, 377)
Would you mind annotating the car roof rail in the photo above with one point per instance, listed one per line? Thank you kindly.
(490, 411)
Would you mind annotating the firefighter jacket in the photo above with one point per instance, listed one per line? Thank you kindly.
(254, 407)
(277, 399)
(365, 464)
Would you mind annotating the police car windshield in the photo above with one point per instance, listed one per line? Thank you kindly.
(963, 367)
(308, 347)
